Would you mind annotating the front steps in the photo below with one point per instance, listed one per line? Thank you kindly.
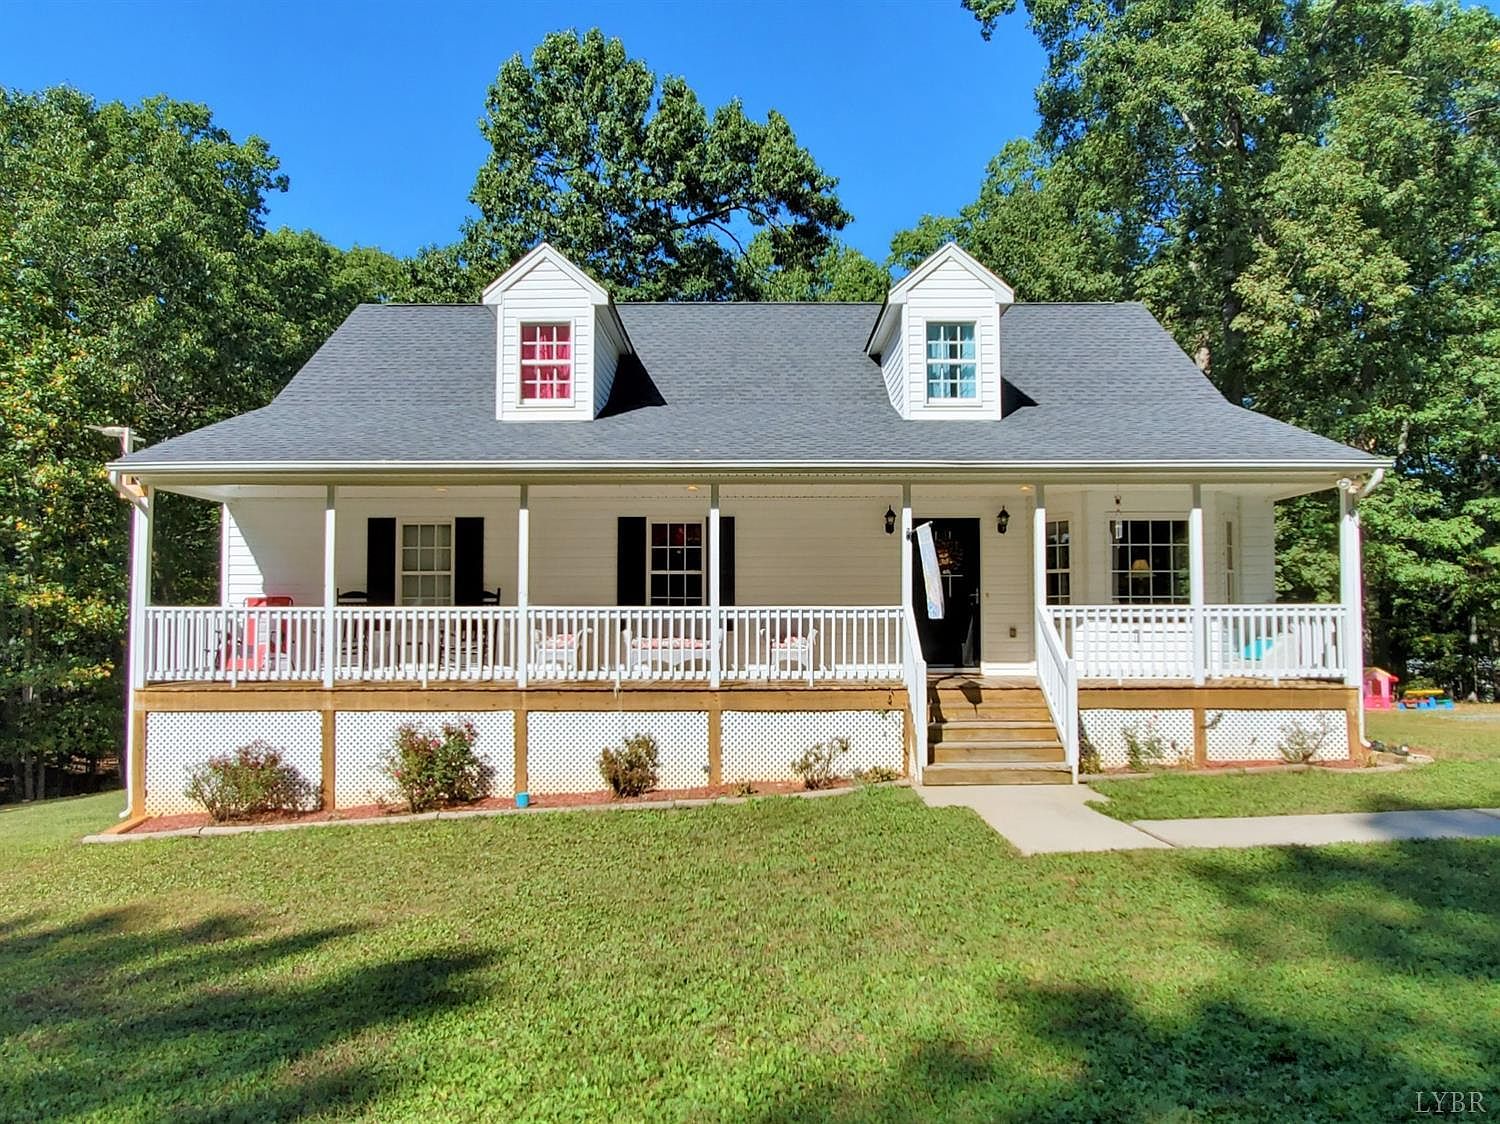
(991, 733)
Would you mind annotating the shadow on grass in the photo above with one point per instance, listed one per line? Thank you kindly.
(218, 1020)
(1363, 979)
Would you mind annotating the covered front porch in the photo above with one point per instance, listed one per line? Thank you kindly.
(640, 588)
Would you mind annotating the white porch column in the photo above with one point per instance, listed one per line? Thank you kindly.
(1038, 565)
(330, 586)
(523, 585)
(906, 548)
(715, 623)
(1195, 586)
(142, 510)
(1351, 593)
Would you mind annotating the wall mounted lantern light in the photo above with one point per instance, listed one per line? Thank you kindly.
(890, 521)
(1002, 521)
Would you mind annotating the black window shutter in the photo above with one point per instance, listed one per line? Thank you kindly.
(726, 560)
(630, 561)
(468, 560)
(380, 562)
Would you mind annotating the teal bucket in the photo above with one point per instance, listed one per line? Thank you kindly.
(523, 799)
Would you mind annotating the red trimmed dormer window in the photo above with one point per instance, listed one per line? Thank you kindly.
(546, 362)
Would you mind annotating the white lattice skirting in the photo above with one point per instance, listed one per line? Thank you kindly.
(563, 747)
(1169, 731)
(179, 743)
(363, 740)
(1257, 735)
(761, 745)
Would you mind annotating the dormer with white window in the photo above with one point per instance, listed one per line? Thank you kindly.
(559, 340)
(938, 339)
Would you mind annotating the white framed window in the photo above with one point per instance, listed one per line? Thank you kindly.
(426, 563)
(674, 564)
(546, 362)
(1231, 579)
(952, 372)
(1149, 561)
(1059, 562)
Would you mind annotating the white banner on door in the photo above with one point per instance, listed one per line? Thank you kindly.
(932, 577)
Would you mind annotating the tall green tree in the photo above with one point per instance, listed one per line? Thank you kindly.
(1304, 192)
(137, 286)
(635, 179)
(839, 273)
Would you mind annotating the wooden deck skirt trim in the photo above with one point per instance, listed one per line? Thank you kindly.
(194, 697)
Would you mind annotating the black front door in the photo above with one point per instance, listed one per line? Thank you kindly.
(954, 640)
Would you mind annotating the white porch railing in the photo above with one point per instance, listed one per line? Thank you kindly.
(1212, 641)
(229, 645)
(1057, 675)
(914, 676)
(563, 644)
(424, 644)
(814, 644)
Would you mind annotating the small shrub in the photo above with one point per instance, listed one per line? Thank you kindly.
(251, 781)
(1143, 751)
(876, 774)
(1299, 745)
(432, 770)
(630, 770)
(1089, 760)
(744, 788)
(815, 767)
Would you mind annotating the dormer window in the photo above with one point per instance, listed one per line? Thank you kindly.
(546, 362)
(952, 374)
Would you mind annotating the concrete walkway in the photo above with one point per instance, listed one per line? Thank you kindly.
(1335, 827)
(1056, 819)
(1042, 818)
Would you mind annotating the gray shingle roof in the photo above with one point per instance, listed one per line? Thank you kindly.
(750, 384)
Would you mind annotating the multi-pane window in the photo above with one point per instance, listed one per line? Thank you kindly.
(427, 563)
(676, 564)
(546, 362)
(1059, 562)
(951, 371)
(1149, 561)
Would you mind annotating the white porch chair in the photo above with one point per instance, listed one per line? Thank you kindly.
(789, 655)
(554, 655)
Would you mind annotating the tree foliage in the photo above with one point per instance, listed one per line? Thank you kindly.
(636, 180)
(138, 286)
(1305, 193)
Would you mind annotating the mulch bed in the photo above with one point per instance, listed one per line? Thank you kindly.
(488, 803)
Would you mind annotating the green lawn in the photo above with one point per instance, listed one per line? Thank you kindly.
(856, 958)
(1465, 774)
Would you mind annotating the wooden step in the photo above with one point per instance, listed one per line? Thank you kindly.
(997, 712)
(991, 730)
(977, 752)
(997, 773)
(969, 696)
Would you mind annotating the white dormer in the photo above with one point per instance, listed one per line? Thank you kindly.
(559, 340)
(938, 338)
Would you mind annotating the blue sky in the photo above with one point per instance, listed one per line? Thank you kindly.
(372, 108)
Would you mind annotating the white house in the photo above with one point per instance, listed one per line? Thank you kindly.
(572, 520)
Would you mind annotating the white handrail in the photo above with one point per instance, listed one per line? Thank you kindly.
(914, 674)
(812, 643)
(1058, 676)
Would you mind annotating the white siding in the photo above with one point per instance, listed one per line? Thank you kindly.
(496, 506)
(609, 346)
(952, 293)
(1257, 547)
(545, 294)
(273, 546)
(893, 365)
